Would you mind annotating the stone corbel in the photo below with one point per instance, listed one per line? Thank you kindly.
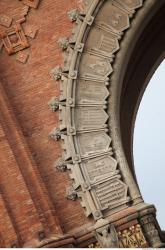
(107, 237)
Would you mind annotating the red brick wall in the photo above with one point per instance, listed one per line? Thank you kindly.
(29, 88)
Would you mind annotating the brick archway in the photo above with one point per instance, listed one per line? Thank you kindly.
(92, 198)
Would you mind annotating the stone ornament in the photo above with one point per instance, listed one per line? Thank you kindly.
(93, 67)
(110, 193)
(90, 117)
(107, 237)
(107, 44)
(56, 73)
(85, 80)
(130, 5)
(98, 97)
(63, 43)
(73, 15)
(61, 165)
(132, 238)
(54, 104)
(71, 194)
(100, 168)
(55, 134)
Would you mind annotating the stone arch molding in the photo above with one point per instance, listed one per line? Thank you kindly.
(92, 144)
(103, 186)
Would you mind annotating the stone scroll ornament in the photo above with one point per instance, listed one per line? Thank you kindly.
(85, 79)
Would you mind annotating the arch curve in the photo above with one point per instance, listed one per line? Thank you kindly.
(96, 107)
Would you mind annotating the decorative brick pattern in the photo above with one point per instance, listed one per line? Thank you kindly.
(29, 88)
(22, 57)
(14, 39)
(5, 20)
(31, 3)
(15, 36)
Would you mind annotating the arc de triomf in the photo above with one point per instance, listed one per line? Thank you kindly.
(72, 75)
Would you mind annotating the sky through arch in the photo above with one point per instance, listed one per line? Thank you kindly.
(149, 143)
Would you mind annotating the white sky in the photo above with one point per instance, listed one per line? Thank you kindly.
(149, 143)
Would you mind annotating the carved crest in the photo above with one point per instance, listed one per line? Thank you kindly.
(112, 17)
(94, 67)
(102, 42)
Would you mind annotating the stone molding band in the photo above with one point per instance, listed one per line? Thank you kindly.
(85, 125)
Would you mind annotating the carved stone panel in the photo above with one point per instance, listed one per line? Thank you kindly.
(131, 4)
(94, 67)
(100, 168)
(84, 5)
(110, 193)
(93, 143)
(87, 118)
(112, 17)
(89, 92)
(102, 42)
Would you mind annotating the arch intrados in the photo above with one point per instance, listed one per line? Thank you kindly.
(148, 53)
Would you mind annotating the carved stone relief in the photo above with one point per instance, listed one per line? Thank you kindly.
(87, 118)
(130, 4)
(132, 238)
(106, 45)
(113, 17)
(92, 93)
(99, 168)
(93, 143)
(94, 67)
(110, 193)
